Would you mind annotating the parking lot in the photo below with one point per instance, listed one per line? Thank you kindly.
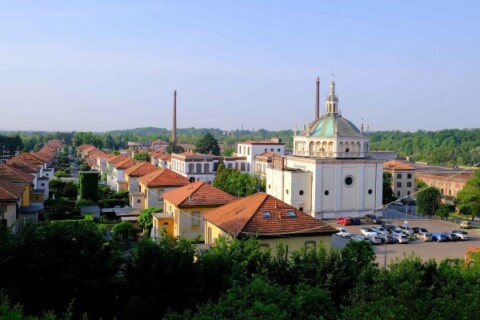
(425, 250)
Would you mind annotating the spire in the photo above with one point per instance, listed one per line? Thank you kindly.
(317, 99)
(332, 100)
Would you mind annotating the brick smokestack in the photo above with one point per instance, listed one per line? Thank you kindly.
(174, 127)
(317, 100)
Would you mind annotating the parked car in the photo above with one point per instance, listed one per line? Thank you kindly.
(344, 221)
(402, 238)
(368, 232)
(356, 221)
(450, 236)
(371, 218)
(389, 239)
(358, 237)
(375, 240)
(342, 232)
(419, 230)
(380, 230)
(407, 230)
(424, 236)
(465, 224)
(439, 237)
(462, 235)
(397, 232)
(389, 227)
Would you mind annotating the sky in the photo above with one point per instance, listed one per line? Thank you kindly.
(95, 65)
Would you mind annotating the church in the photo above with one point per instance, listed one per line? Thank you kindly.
(330, 173)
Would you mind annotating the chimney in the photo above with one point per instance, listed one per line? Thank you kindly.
(317, 100)
(174, 127)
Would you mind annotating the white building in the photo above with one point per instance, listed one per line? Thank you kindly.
(330, 173)
(250, 149)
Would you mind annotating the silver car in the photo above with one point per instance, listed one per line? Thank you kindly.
(424, 236)
(462, 235)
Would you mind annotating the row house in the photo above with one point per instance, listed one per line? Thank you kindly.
(183, 209)
(448, 183)
(108, 171)
(154, 185)
(195, 166)
(118, 178)
(10, 201)
(132, 175)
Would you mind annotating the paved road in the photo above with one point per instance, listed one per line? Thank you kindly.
(425, 250)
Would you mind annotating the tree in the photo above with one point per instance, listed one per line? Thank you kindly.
(468, 199)
(124, 231)
(178, 149)
(208, 144)
(146, 219)
(428, 201)
(142, 156)
(387, 193)
(89, 186)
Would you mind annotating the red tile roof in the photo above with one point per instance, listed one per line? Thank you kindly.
(33, 158)
(163, 178)
(23, 164)
(140, 169)
(395, 165)
(245, 217)
(14, 175)
(198, 194)
(116, 158)
(9, 192)
(125, 164)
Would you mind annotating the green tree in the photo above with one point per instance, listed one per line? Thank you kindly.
(146, 217)
(387, 191)
(468, 199)
(142, 156)
(428, 201)
(208, 144)
(89, 185)
(124, 231)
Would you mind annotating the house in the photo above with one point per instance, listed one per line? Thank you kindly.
(269, 219)
(109, 169)
(155, 184)
(403, 178)
(118, 178)
(449, 183)
(132, 175)
(250, 149)
(195, 166)
(10, 201)
(186, 204)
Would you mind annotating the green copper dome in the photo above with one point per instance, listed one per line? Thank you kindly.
(334, 125)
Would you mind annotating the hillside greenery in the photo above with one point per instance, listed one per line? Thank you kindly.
(449, 147)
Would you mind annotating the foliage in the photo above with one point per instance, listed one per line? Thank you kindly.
(142, 156)
(71, 259)
(89, 185)
(387, 193)
(177, 149)
(84, 167)
(428, 201)
(443, 211)
(208, 144)
(228, 152)
(469, 197)
(236, 183)
(124, 231)
(146, 217)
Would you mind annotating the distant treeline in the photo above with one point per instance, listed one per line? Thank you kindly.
(451, 147)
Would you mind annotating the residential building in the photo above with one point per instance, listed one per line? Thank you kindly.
(118, 178)
(403, 178)
(250, 149)
(449, 183)
(270, 220)
(155, 184)
(186, 206)
(132, 175)
(330, 173)
(195, 166)
(10, 201)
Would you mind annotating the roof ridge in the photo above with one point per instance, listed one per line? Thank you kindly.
(195, 189)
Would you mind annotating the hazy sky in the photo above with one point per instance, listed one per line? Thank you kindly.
(103, 65)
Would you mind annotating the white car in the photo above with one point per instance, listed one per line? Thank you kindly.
(381, 231)
(369, 232)
(342, 232)
(358, 237)
(402, 238)
(375, 240)
(462, 235)
(397, 232)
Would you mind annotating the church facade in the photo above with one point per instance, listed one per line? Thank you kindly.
(330, 173)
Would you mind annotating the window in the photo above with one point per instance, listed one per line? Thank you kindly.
(242, 166)
(398, 194)
(198, 168)
(278, 150)
(139, 200)
(409, 184)
(370, 191)
(310, 245)
(192, 179)
(267, 214)
(399, 176)
(209, 235)
(399, 184)
(190, 168)
(301, 209)
(300, 192)
(43, 184)
(286, 191)
(206, 168)
(409, 176)
(291, 214)
(195, 220)
(326, 192)
(349, 180)
(408, 193)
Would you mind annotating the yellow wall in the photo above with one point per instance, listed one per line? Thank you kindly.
(293, 243)
(26, 195)
(158, 225)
